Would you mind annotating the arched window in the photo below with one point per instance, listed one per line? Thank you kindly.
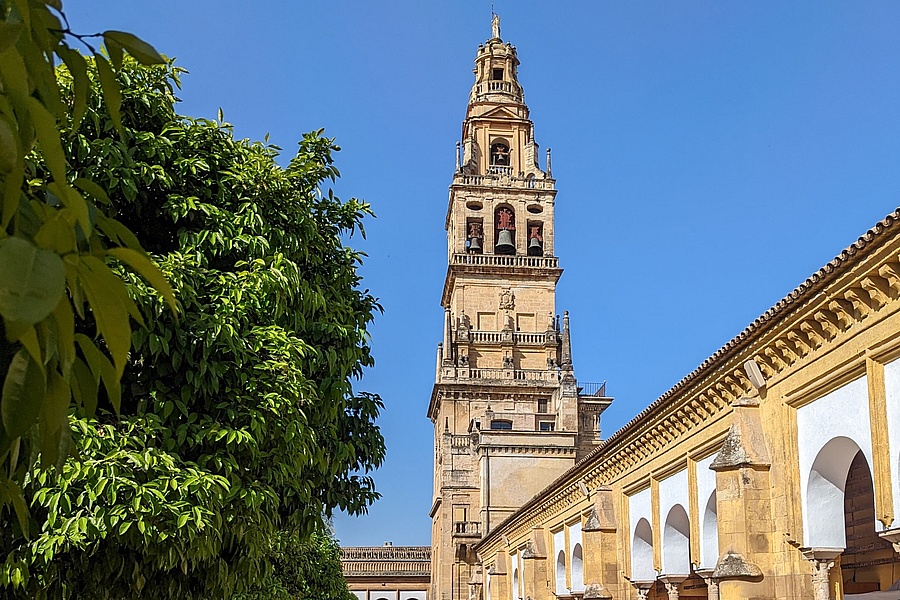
(825, 493)
(676, 543)
(535, 238)
(642, 552)
(577, 569)
(514, 592)
(709, 549)
(561, 588)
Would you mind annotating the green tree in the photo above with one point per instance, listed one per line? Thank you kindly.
(303, 570)
(239, 419)
(57, 241)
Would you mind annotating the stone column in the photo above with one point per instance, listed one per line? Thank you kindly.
(601, 569)
(822, 560)
(534, 566)
(712, 584)
(743, 497)
(672, 582)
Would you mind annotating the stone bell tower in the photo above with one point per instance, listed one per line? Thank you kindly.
(508, 414)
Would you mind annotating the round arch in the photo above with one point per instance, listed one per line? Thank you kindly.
(642, 552)
(709, 547)
(561, 573)
(676, 543)
(825, 493)
(577, 569)
(514, 592)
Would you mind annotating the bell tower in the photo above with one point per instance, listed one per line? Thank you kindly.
(509, 416)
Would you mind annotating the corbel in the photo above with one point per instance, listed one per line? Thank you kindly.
(765, 365)
(724, 393)
(891, 273)
(787, 351)
(843, 311)
(775, 358)
(829, 322)
(878, 288)
(814, 333)
(862, 303)
(801, 341)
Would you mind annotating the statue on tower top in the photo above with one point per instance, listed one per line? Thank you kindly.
(495, 25)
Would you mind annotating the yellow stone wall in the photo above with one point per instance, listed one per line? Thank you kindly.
(841, 325)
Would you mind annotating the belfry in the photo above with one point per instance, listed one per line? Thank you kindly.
(509, 416)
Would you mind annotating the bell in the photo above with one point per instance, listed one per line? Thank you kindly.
(475, 245)
(535, 248)
(504, 243)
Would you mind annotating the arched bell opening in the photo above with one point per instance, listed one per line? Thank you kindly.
(500, 153)
(709, 546)
(561, 589)
(868, 563)
(577, 569)
(504, 231)
(535, 238)
(514, 592)
(475, 236)
(676, 543)
(642, 552)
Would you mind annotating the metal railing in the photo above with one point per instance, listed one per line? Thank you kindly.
(597, 390)
(514, 374)
(500, 260)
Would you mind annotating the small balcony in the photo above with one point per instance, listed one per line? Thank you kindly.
(466, 529)
(503, 177)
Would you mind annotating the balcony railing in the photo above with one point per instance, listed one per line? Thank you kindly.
(503, 179)
(514, 374)
(467, 528)
(519, 338)
(597, 390)
(497, 87)
(500, 260)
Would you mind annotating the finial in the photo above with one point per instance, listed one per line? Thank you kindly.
(549, 169)
(495, 25)
(458, 145)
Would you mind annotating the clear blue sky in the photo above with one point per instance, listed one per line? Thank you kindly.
(709, 157)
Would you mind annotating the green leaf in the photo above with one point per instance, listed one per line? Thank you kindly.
(19, 505)
(23, 394)
(142, 264)
(32, 281)
(87, 385)
(82, 84)
(89, 187)
(48, 135)
(106, 295)
(111, 92)
(111, 382)
(115, 52)
(9, 34)
(143, 52)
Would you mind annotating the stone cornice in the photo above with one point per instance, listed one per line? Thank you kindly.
(490, 390)
(859, 286)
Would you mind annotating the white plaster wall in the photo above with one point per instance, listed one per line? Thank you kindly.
(413, 595)
(639, 507)
(841, 413)
(487, 585)
(386, 594)
(673, 490)
(892, 385)
(577, 577)
(361, 594)
(706, 485)
(559, 545)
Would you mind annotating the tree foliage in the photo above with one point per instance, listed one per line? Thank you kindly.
(303, 570)
(239, 418)
(58, 241)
